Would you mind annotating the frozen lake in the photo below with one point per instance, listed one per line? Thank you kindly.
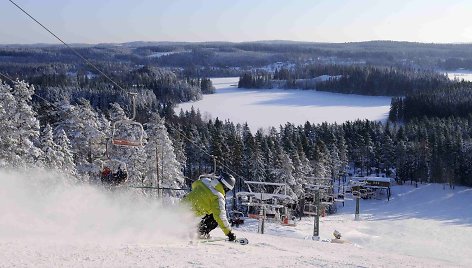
(460, 75)
(263, 108)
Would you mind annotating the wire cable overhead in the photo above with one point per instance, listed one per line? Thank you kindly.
(117, 85)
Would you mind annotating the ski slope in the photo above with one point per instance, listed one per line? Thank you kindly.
(48, 221)
(263, 108)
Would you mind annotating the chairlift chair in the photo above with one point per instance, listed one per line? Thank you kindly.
(327, 200)
(356, 194)
(339, 198)
(113, 171)
(128, 132)
(309, 209)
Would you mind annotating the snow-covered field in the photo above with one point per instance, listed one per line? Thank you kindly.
(47, 221)
(263, 108)
(161, 54)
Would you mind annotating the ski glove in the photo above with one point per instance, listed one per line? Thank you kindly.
(231, 236)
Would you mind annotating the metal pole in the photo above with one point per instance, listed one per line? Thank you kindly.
(214, 165)
(357, 207)
(316, 223)
(234, 199)
(157, 171)
(162, 168)
(261, 217)
(260, 228)
(133, 97)
(285, 193)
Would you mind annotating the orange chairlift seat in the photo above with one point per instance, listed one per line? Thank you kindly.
(128, 132)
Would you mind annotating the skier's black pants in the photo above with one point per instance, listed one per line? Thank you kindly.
(207, 224)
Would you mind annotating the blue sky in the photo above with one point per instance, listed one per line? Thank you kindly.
(98, 21)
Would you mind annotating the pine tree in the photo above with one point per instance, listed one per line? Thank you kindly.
(248, 151)
(66, 156)
(284, 174)
(8, 143)
(320, 161)
(20, 127)
(257, 167)
(160, 146)
(52, 157)
(84, 128)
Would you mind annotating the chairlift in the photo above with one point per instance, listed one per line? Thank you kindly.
(356, 194)
(128, 132)
(327, 199)
(309, 209)
(339, 198)
(112, 171)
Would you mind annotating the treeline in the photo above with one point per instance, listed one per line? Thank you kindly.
(453, 101)
(72, 139)
(390, 81)
(257, 54)
(353, 79)
(431, 150)
(224, 58)
(165, 86)
(456, 63)
(426, 150)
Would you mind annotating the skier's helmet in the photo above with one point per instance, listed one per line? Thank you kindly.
(337, 234)
(228, 181)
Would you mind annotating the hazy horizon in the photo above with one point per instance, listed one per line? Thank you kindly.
(220, 41)
(335, 21)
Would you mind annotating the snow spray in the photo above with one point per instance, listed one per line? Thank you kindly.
(44, 206)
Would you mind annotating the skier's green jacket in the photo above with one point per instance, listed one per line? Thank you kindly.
(208, 197)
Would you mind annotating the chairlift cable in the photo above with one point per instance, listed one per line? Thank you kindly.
(114, 83)
(67, 45)
(207, 153)
(38, 96)
(7, 77)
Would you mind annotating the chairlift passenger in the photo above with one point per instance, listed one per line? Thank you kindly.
(105, 175)
(120, 176)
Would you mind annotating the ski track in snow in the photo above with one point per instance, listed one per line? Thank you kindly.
(264, 108)
(49, 222)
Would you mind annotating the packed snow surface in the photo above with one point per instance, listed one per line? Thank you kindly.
(47, 221)
(263, 108)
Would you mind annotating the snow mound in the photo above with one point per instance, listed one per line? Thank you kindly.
(40, 206)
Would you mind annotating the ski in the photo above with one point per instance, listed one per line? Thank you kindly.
(241, 241)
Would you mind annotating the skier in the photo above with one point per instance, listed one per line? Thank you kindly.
(207, 199)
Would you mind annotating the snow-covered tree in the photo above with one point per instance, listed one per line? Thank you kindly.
(160, 146)
(285, 174)
(67, 164)
(85, 131)
(321, 160)
(52, 156)
(19, 125)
